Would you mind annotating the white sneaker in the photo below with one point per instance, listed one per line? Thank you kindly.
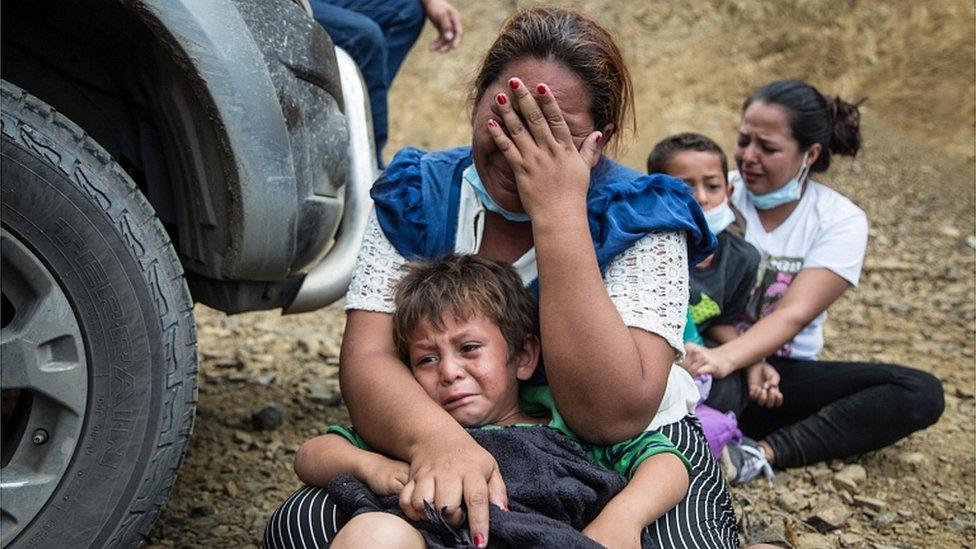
(743, 462)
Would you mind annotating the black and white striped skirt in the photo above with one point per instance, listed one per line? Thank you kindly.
(704, 520)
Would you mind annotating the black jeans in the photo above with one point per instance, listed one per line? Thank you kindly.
(833, 409)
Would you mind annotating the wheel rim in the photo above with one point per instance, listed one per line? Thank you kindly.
(44, 380)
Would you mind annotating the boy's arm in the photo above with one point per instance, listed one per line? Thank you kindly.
(722, 333)
(761, 378)
(659, 483)
(320, 459)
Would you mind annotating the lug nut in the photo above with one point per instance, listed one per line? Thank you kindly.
(39, 437)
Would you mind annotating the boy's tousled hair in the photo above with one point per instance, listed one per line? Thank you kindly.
(464, 286)
(667, 148)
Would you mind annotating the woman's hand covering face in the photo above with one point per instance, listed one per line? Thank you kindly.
(551, 174)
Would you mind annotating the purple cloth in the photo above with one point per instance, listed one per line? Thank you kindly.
(704, 383)
(720, 429)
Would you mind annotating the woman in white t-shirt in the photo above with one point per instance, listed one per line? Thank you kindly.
(812, 240)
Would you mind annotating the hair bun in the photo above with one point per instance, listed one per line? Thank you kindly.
(845, 138)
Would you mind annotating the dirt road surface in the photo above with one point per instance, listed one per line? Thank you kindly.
(693, 63)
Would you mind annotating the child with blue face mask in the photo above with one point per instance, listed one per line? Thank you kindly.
(720, 285)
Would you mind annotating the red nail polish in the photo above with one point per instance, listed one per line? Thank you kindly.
(541, 88)
(501, 98)
(513, 83)
(479, 540)
(492, 124)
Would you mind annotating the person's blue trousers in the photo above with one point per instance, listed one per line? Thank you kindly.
(377, 34)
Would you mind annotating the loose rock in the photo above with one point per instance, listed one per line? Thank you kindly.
(228, 363)
(819, 473)
(871, 504)
(885, 519)
(844, 483)
(307, 345)
(789, 502)
(241, 437)
(265, 379)
(958, 525)
(848, 539)
(850, 478)
(201, 510)
(949, 230)
(329, 350)
(937, 511)
(267, 417)
(775, 533)
(810, 540)
(916, 460)
(828, 516)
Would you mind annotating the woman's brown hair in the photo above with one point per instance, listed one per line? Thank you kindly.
(815, 118)
(579, 43)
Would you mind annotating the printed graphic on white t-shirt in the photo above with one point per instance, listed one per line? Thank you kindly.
(826, 230)
(775, 275)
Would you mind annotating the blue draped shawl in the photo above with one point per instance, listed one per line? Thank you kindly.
(418, 195)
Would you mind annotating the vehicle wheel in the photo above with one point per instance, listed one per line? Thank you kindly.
(98, 341)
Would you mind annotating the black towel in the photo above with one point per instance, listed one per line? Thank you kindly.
(554, 490)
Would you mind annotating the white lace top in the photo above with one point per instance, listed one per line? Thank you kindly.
(648, 283)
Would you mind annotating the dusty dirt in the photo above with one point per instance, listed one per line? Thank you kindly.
(692, 67)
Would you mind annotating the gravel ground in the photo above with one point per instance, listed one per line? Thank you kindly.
(269, 382)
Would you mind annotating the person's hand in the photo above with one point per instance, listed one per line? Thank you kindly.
(552, 175)
(763, 382)
(447, 21)
(701, 360)
(449, 473)
(613, 534)
(385, 476)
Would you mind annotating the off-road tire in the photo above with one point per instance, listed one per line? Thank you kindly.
(65, 199)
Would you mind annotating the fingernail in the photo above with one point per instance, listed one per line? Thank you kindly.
(501, 98)
(541, 88)
(505, 507)
(599, 138)
(513, 83)
(492, 123)
(479, 540)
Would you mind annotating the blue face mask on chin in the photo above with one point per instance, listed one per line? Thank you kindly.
(783, 195)
(719, 217)
(471, 176)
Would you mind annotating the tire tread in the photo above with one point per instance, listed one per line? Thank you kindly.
(134, 218)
